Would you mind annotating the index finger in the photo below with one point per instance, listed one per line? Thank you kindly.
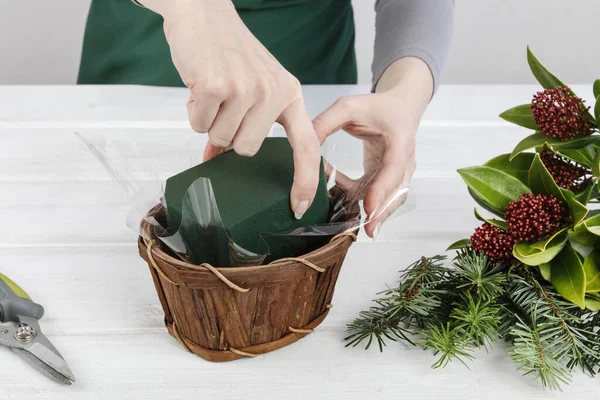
(307, 156)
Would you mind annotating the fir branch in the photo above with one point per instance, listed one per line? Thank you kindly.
(474, 272)
(478, 319)
(398, 314)
(538, 350)
(449, 342)
(541, 304)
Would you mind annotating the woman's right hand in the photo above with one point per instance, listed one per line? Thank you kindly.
(237, 88)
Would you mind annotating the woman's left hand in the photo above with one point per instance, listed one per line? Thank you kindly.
(387, 122)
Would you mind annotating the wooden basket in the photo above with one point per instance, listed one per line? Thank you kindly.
(223, 314)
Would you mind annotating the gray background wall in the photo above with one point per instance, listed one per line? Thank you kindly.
(40, 40)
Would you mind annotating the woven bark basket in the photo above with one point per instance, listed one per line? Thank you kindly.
(224, 314)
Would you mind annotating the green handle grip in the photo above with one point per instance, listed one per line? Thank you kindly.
(15, 302)
(16, 289)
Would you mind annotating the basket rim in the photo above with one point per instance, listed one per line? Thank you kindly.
(174, 262)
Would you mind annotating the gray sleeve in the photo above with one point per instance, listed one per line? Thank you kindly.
(412, 28)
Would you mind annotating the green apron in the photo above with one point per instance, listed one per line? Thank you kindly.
(312, 39)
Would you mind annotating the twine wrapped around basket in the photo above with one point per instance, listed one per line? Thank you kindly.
(223, 314)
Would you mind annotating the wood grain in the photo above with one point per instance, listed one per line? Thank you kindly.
(104, 315)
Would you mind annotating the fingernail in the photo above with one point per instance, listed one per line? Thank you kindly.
(376, 231)
(300, 209)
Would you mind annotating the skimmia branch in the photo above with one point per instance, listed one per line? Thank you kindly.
(530, 274)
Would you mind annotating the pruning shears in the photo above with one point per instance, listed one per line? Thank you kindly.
(20, 330)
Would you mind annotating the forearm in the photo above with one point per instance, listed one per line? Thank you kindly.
(409, 78)
(162, 6)
(412, 28)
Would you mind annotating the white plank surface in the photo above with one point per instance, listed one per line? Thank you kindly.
(64, 239)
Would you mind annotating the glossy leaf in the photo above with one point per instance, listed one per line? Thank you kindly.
(541, 182)
(596, 166)
(520, 115)
(545, 270)
(581, 249)
(459, 244)
(573, 144)
(578, 211)
(492, 221)
(546, 78)
(591, 266)
(568, 276)
(585, 195)
(592, 225)
(543, 244)
(530, 142)
(597, 88)
(592, 302)
(496, 189)
(496, 211)
(584, 156)
(517, 167)
(530, 255)
(538, 139)
(597, 109)
(583, 235)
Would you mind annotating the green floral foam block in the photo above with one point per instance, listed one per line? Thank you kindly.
(253, 198)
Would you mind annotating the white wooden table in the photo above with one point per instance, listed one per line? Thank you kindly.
(64, 239)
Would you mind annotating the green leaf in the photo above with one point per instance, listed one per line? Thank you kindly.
(545, 270)
(496, 211)
(585, 195)
(591, 266)
(538, 139)
(584, 156)
(597, 110)
(541, 182)
(592, 225)
(597, 88)
(520, 115)
(492, 187)
(517, 167)
(543, 244)
(578, 143)
(459, 244)
(530, 255)
(568, 276)
(596, 166)
(541, 73)
(578, 211)
(581, 232)
(492, 221)
(530, 142)
(592, 302)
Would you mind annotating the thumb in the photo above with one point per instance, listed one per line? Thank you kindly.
(211, 151)
(345, 111)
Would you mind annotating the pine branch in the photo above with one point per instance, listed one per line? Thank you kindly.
(479, 320)
(400, 312)
(537, 350)
(541, 303)
(449, 342)
(474, 272)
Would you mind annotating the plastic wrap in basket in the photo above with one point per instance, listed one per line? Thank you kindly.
(223, 314)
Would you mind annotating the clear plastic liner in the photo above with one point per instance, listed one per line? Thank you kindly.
(142, 161)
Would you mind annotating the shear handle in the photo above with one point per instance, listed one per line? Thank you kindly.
(15, 302)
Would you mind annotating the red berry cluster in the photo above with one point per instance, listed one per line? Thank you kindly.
(560, 114)
(566, 174)
(494, 243)
(531, 217)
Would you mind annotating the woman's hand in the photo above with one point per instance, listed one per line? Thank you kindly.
(237, 88)
(387, 122)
